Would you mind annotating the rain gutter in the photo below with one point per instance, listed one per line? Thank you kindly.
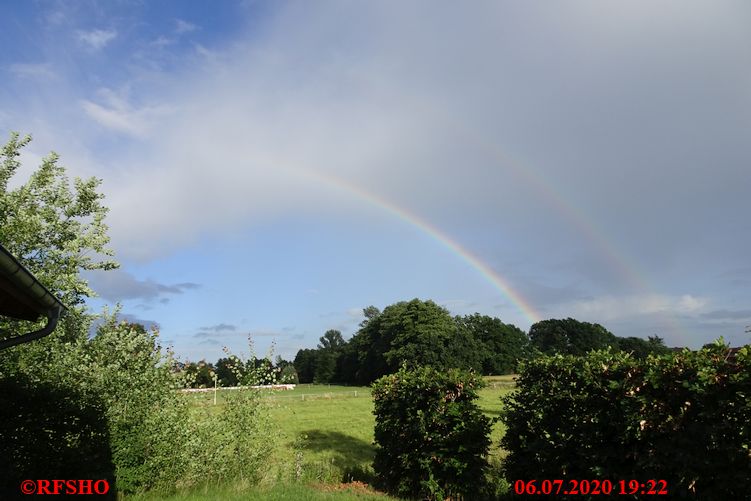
(24, 298)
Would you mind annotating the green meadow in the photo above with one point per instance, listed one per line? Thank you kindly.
(324, 442)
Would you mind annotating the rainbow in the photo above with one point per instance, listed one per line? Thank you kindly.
(627, 271)
(574, 216)
(500, 283)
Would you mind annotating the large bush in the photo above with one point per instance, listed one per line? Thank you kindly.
(114, 398)
(682, 417)
(432, 439)
(158, 439)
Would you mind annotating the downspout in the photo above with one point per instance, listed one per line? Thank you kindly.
(43, 302)
(53, 316)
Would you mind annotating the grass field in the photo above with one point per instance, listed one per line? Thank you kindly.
(325, 440)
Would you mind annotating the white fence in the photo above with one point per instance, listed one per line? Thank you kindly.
(326, 396)
(223, 388)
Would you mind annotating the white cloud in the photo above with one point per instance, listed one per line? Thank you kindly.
(182, 26)
(355, 313)
(611, 307)
(97, 39)
(40, 71)
(118, 114)
(162, 42)
(381, 97)
(55, 17)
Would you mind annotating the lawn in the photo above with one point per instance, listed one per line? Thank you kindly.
(325, 441)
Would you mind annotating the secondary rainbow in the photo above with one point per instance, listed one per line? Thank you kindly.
(577, 218)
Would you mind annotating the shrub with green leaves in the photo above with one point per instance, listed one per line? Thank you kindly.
(74, 407)
(158, 441)
(682, 417)
(432, 439)
(114, 398)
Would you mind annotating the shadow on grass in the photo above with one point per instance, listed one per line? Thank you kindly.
(352, 456)
(491, 412)
(50, 432)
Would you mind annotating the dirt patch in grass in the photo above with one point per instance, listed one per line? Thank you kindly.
(354, 487)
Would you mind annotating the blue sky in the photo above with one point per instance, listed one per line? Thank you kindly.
(272, 167)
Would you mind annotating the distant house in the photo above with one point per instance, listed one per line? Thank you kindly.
(23, 297)
(733, 353)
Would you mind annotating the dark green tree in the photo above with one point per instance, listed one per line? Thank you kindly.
(325, 366)
(226, 371)
(369, 312)
(414, 332)
(419, 332)
(500, 346)
(570, 337)
(200, 374)
(305, 365)
(657, 345)
(327, 356)
(331, 340)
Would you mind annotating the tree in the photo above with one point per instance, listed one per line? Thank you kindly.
(226, 371)
(656, 342)
(369, 312)
(325, 366)
(331, 340)
(415, 332)
(304, 363)
(57, 232)
(501, 346)
(570, 336)
(288, 375)
(420, 333)
(200, 374)
(640, 348)
(54, 230)
(116, 390)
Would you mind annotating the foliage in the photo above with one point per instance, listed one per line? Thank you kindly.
(54, 230)
(199, 374)
(682, 417)
(640, 348)
(225, 371)
(501, 346)
(305, 364)
(49, 431)
(331, 340)
(288, 374)
(418, 333)
(114, 398)
(570, 337)
(432, 439)
(105, 407)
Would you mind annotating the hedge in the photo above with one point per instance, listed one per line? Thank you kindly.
(432, 439)
(683, 417)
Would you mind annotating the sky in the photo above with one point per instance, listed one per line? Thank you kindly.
(272, 168)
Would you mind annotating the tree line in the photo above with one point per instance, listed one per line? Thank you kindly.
(422, 333)
(232, 371)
